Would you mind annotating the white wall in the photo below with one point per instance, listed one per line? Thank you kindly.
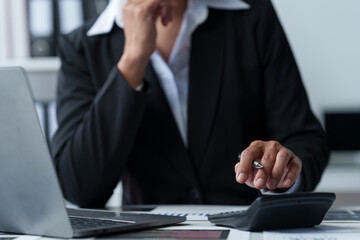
(325, 37)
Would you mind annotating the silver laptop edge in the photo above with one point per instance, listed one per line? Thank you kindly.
(29, 203)
(31, 200)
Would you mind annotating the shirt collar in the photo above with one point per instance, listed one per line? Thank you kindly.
(112, 12)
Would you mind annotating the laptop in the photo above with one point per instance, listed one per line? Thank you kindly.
(31, 200)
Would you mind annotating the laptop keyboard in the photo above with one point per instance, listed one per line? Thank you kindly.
(85, 222)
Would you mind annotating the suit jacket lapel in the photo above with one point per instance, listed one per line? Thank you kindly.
(173, 144)
(116, 41)
(206, 64)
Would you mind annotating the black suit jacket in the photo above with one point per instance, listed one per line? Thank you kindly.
(243, 86)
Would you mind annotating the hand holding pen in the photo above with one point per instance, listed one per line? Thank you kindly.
(267, 164)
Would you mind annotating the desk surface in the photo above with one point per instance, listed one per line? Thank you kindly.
(197, 221)
(196, 215)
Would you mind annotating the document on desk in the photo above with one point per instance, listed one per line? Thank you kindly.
(173, 234)
(197, 222)
(195, 212)
(311, 236)
(322, 232)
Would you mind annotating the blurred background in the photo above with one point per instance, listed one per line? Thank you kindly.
(324, 35)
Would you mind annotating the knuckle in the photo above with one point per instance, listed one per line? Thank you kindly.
(269, 158)
(242, 170)
(256, 143)
(274, 144)
(248, 153)
(241, 167)
(284, 154)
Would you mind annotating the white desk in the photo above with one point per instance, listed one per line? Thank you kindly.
(198, 222)
(347, 230)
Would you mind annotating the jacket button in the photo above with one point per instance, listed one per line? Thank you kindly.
(195, 193)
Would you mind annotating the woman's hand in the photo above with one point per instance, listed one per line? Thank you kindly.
(140, 18)
(281, 166)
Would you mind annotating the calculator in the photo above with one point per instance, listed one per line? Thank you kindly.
(272, 212)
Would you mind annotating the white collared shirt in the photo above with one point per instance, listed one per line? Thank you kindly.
(174, 75)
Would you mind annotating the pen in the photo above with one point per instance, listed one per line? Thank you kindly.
(257, 164)
(254, 164)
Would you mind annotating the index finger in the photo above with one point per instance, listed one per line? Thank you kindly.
(243, 168)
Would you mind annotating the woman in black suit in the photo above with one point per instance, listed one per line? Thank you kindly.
(164, 95)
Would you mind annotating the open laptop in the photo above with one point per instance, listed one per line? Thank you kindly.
(31, 201)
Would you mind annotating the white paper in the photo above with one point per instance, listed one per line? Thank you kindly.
(325, 231)
(195, 212)
(196, 216)
(205, 225)
(311, 236)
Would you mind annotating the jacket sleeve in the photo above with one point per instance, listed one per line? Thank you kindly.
(97, 128)
(289, 117)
